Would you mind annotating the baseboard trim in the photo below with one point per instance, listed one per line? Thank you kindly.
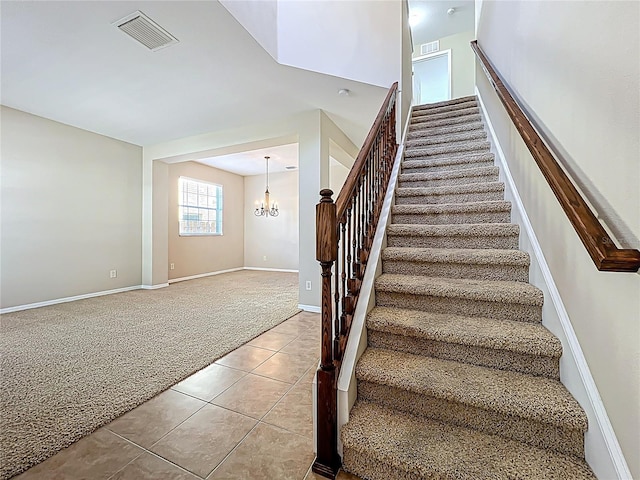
(154, 287)
(271, 269)
(602, 450)
(309, 308)
(46, 303)
(208, 274)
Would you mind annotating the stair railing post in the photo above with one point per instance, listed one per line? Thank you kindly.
(327, 462)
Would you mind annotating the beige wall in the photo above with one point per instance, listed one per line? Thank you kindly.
(195, 255)
(275, 238)
(584, 88)
(70, 211)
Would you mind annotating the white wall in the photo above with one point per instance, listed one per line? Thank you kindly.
(195, 255)
(577, 66)
(70, 211)
(275, 238)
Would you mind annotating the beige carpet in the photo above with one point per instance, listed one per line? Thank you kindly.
(67, 369)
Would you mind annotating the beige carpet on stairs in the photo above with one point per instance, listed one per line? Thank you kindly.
(69, 368)
(460, 379)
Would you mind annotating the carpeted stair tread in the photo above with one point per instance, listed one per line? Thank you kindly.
(444, 103)
(441, 208)
(494, 291)
(471, 110)
(417, 113)
(450, 189)
(444, 130)
(467, 160)
(520, 337)
(429, 122)
(481, 256)
(432, 139)
(447, 149)
(386, 445)
(448, 174)
(525, 396)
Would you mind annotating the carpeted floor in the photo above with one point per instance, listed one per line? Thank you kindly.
(67, 369)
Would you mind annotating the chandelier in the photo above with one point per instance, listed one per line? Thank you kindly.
(264, 209)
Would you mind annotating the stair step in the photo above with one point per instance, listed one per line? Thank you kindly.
(417, 112)
(452, 213)
(503, 344)
(432, 139)
(444, 130)
(472, 192)
(438, 151)
(382, 444)
(449, 177)
(428, 122)
(453, 162)
(477, 264)
(538, 411)
(472, 110)
(453, 101)
(501, 300)
(473, 235)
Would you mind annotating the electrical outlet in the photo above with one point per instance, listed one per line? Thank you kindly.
(172, 266)
(264, 258)
(308, 284)
(113, 273)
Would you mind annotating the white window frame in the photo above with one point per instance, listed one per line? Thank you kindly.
(200, 206)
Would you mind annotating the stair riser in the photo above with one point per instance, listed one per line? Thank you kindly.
(446, 168)
(444, 103)
(444, 108)
(448, 182)
(460, 306)
(431, 139)
(538, 434)
(486, 357)
(422, 125)
(446, 151)
(457, 270)
(450, 198)
(464, 112)
(446, 130)
(370, 468)
(452, 218)
(507, 243)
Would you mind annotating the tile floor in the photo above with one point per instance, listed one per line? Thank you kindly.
(247, 416)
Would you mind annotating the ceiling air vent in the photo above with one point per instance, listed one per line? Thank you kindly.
(141, 28)
(427, 48)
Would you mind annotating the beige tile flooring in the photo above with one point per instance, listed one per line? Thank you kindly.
(247, 416)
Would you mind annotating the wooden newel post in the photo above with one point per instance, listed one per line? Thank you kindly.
(327, 461)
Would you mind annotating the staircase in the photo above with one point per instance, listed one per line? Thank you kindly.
(460, 380)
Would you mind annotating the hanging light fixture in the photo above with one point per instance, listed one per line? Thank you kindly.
(264, 209)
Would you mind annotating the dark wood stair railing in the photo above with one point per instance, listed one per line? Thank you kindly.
(344, 235)
(602, 249)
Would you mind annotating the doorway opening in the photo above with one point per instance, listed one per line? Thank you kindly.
(432, 78)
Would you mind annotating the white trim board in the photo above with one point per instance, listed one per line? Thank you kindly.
(309, 308)
(602, 450)
(208, 274)
(286, 270)
(68, 299)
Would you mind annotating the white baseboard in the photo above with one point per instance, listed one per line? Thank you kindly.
(602, 450)
(271, 269)
(309, 308)
(154, 287)
(28, 306)
(208, 274)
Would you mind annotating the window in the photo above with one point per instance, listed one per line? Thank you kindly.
(199, 207)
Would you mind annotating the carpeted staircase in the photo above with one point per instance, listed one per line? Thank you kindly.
(460, 380)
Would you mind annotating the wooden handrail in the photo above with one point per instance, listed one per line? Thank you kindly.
(602, 249)
(344, 235)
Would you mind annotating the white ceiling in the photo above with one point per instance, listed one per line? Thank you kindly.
(253, 163)
(65, 61)
(435, 23)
